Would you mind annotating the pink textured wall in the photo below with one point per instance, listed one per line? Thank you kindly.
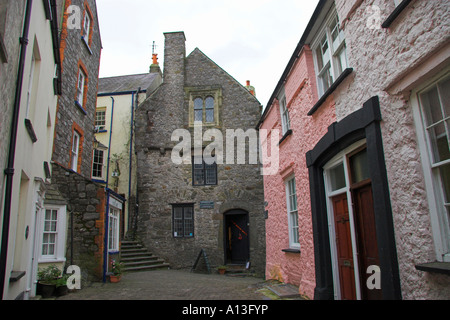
(301, 95)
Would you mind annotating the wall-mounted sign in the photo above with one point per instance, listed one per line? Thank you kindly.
(207, 205)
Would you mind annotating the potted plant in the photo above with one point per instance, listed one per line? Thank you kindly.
(61, 286)
(47, 280)
(222, 269)
(116, 275)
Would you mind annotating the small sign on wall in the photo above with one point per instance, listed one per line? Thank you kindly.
(207, 205)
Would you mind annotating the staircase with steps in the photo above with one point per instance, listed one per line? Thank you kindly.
(135, 257)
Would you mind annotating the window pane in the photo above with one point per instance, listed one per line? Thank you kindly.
(211, 174)
(326, 80)
(432, 106)
(359, 167)
(209, 115)
(337, 178)
(178, 213)
(444, 90)
(294, 228)
(439, 143)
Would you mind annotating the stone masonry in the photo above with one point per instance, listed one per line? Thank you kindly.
(161, 183)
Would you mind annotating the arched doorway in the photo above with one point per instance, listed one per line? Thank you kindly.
(237, 241)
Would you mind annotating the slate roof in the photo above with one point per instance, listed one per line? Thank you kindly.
(125, 83)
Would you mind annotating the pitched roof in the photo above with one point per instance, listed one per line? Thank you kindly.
(126, 83)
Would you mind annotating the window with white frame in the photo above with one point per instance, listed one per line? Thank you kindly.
(97, 164)
(80, 87)
(285, 120)
(291, 199)
(113, 234)
(434, 110)
(100, 120)
(87, 26)
(53, 235)
(330, 54)
(75, 150)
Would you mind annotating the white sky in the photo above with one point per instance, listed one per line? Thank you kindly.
(250, 39)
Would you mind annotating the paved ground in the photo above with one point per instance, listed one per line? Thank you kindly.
(177, 285)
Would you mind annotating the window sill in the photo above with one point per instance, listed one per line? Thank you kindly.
(80, 107)
(286, 135)
(386, 24)
(16, 276)
(435, 267)
(330, 90)
(30, 130)
(87, 45)
(97, 180)
(291, 250)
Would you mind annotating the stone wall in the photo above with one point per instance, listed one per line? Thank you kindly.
(86, 217)
(75, 52)
(162, 183)
(381, 57)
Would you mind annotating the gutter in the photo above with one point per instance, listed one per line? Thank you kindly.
(9, 171)
(105, 249)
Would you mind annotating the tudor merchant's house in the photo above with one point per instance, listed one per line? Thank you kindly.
(198, 204)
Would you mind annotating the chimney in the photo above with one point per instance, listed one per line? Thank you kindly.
(174, 58)
(250, 88)
(154, 68)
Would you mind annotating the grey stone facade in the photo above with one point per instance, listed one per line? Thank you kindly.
(162, 184)
(76, 51)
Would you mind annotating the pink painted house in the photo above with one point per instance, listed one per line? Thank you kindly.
(359, 208)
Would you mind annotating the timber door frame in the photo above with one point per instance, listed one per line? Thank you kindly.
(365, 123)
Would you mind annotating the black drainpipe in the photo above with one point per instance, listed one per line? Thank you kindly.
(9, 171)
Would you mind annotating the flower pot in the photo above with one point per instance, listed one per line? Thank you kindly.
(114, 278)
(222, 271)
(61, 291)
(47, 290)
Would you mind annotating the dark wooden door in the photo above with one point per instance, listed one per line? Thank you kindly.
(344, 247)
(366, 238)
(237, 238)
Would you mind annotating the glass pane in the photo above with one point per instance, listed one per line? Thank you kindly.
(319, 58)
(439, 143)
(326, 80)
(51, 249)
(44, 250)
(188, 213)
(337, 178)
(294, 224)
(54, 215)
(198, 103)
(359, 167)
(432, 106)
(209, 103)
(209, 115)
(444, 90)
(178, 213)
(211, 174)
(198, 115)
(445, 179)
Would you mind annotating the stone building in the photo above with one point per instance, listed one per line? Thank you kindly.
(362, 108)
(30, 84)
(86, 202)
(192, 205)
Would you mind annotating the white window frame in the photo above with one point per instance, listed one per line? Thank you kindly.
(292, 213)
(80, 86)
(61, 226)
(285, 117)
(75, 150)
(435, 196)
(334, 58)
(102, 164)
(100, 119)
(87, 25)
(113, 229)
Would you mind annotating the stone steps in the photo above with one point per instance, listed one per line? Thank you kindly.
(135, 257)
